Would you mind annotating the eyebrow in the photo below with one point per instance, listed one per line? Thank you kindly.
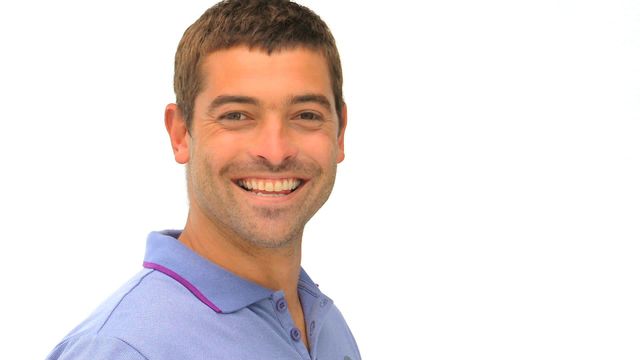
(314, 98)
(227, 99)
(239, 99)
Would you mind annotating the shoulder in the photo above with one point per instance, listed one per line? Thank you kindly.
(337, 334)
(95, 347)
(124, 324)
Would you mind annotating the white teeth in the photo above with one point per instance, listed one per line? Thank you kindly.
(270, 185)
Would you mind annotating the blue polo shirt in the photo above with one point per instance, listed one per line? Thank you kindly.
(182, 306)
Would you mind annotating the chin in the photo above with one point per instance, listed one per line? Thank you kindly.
(271, 242)
(271, 229)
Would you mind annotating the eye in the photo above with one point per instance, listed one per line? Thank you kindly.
(234, 116)
(308, 115)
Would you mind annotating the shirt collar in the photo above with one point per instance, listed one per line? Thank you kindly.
(221, 290)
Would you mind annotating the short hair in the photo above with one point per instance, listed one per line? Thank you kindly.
(269, 25)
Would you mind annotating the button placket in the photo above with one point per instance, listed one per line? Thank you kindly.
(286, 321)
(296, 334)
(312, 328)
(321, 307)
(281, 305)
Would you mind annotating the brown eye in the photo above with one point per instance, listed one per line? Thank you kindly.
(309, 116)
(235, 116)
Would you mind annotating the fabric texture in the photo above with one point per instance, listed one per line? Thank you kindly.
(182, 306)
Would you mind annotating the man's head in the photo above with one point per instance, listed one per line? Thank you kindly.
(261, 127)
(267, 25)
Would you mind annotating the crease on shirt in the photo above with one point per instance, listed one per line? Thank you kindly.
(131, 346)
(120, 301)
(308, 290)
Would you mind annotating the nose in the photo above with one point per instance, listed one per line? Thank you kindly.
(273, 142)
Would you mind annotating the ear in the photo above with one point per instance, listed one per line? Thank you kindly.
(177, 129)
(340, 156)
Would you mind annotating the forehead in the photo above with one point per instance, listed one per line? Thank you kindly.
(253, 72)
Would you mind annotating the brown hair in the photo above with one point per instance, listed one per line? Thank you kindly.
(270, 25)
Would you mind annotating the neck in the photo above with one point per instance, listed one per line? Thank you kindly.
(272, 268)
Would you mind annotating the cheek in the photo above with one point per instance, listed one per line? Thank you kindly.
(321, 148)
(216, 151)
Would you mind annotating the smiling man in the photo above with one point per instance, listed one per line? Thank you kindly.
(259, 121)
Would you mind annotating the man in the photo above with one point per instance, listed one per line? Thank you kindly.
(259, 121)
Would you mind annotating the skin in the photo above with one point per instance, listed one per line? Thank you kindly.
(267, 117)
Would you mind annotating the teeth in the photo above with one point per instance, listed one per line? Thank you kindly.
(270, 185)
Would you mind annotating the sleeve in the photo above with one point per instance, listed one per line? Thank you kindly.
(95, 348)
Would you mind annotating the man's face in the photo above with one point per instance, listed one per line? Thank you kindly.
(264, 143)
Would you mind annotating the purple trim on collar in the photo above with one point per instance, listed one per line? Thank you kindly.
(184, 282)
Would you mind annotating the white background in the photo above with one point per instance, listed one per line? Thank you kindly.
(488, 207)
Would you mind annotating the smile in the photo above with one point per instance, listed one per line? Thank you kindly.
(270, 187)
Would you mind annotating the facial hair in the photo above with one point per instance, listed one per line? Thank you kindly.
(262, 227)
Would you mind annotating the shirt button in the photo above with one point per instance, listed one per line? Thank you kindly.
(312, 327)
(323, 302)
(295, 334)
(281, 305)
